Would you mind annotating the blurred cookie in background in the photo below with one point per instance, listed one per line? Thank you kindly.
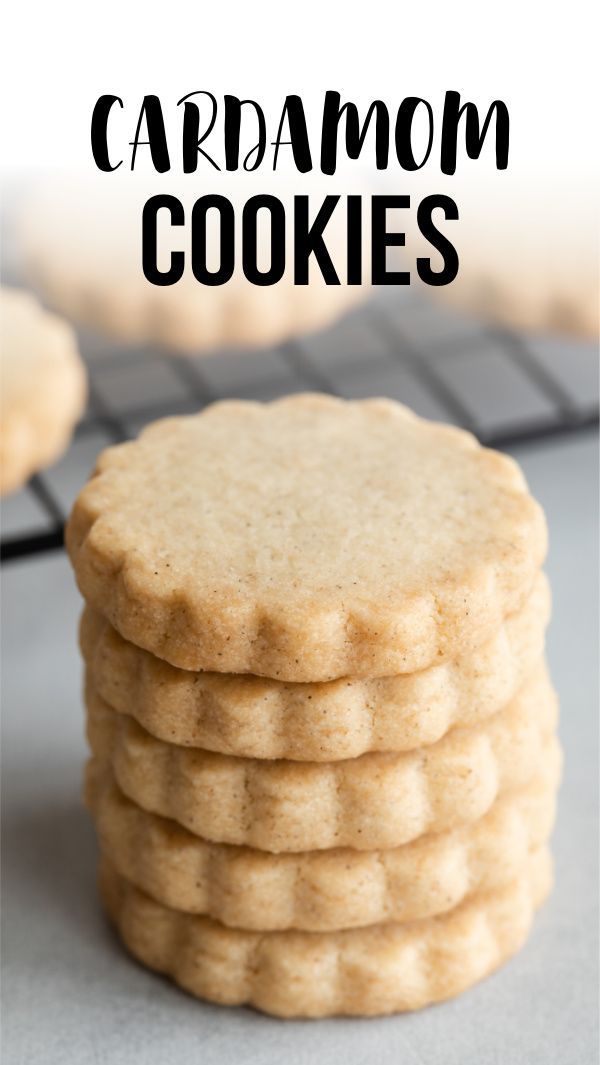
(529, 286)
(528, 250)
(42, 388)
(80, 246)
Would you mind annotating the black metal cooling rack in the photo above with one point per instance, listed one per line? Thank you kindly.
(502, 386)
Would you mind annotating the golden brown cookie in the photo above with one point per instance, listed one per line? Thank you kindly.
(305, 539)
(43, 388)
(81, 245)
(385, 968)
(254, 717)
(321, 891)
(375, 801)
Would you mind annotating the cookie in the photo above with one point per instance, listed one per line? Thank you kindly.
(321, 891)
(385, 968)
(377, 800)
(253, 717)
(43, 388)
(552, 285)
(551, 305)
(305, 539)
(81, 246)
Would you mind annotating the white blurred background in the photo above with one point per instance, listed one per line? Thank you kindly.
(537, 221)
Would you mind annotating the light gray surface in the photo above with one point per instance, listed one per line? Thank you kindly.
(71, 996)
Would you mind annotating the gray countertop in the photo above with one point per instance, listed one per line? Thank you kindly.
(72, 996)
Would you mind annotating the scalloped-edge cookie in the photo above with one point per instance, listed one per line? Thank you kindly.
(321, 891)
(375, 801)
(80, 242)
(253, 717)
(43, 387)
(385, 968)
(306, 539)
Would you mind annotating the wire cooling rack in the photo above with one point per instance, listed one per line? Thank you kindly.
(504, 387)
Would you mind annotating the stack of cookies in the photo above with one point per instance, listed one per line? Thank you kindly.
(324, 757)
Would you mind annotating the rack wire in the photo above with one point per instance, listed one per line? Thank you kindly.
(503, 386)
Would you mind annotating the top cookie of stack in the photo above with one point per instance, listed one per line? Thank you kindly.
(315, 581)
(305, 540)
